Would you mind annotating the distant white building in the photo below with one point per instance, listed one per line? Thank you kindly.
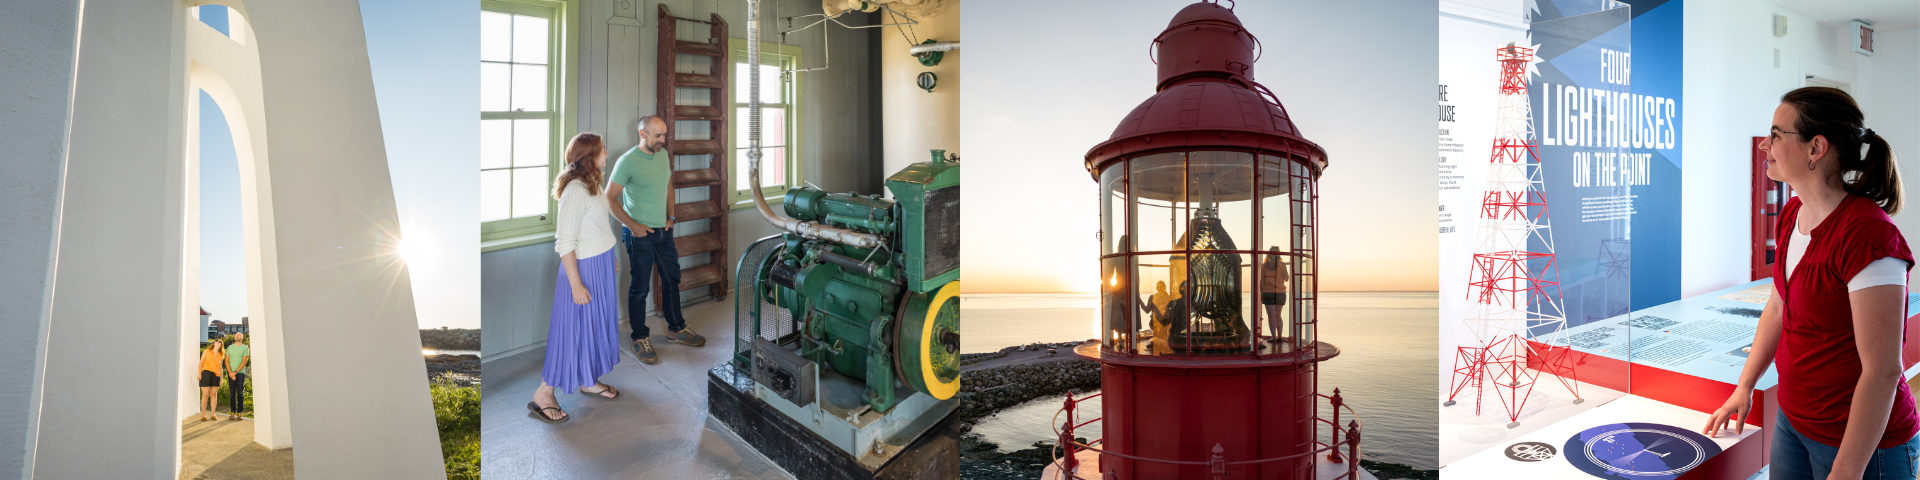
(205, 334)
(222, 329)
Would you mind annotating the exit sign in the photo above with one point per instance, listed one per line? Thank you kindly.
(1863, 37)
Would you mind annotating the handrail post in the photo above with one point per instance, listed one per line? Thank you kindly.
(1353, 450)
(1218, 464)
(1072, 461)
(1333, 454)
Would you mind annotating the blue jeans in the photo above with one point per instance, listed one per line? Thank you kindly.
(643, 253)
(1796, 457)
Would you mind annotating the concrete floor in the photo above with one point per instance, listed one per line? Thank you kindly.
(657, 429)
(224, 450)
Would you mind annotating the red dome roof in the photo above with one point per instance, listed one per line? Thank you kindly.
(1207, 97)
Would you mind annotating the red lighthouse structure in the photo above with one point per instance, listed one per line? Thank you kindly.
(1208, 345)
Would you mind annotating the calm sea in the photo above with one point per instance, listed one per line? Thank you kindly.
(1385, 368)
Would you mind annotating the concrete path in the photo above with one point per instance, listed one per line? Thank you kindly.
(657, 429)
(224, 450)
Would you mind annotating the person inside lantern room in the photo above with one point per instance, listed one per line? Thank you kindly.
(1117, 286)
(1833, 325)
(239, 364)
(213, 362)
(640, 195)
(1156, 309)
(583, 338)
(1274, 274)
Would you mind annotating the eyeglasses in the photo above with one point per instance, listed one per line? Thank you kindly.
(1774, 136)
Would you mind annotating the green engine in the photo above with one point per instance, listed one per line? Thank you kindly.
(876, 314)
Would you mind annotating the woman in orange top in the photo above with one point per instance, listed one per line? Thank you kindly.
(213, 362)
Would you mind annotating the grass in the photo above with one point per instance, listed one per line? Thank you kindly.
(457, 411)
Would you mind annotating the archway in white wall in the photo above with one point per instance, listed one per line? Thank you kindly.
(226, 68)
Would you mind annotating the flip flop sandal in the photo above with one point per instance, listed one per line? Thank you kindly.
(600, 393)
(538, 412)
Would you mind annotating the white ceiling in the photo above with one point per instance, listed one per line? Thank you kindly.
(1887, 15)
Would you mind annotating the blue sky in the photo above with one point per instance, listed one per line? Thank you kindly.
(427, 83)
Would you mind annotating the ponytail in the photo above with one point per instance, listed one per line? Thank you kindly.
(1879, 177)
(1868, 172)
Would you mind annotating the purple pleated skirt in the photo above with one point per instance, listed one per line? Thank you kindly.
(583, 341)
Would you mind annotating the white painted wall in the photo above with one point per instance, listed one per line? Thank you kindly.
(1731, 88)
(617, 67)
(1888, 88)
(37, 67)
(918, 120)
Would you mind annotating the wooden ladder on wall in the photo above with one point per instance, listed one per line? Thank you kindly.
(713, 177)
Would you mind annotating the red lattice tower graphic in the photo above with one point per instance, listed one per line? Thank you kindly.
(1515, 310)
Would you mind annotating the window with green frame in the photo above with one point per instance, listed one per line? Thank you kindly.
(521, 115)
(779, 130)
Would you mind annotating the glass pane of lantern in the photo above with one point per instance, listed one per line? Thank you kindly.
(1113, 207)
(1118, 295)
(530, 147)
(1275, 220)
(496, 36)
(1158, 184)
(1220, 185)
(494, 87)
(529, 88)
(1155, 295)
(529, 40)
(494, 193)
(496, 143)
(530, 191)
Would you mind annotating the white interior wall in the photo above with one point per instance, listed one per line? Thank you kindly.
(1731, 88)
(919, 120)
(615, 82)
(1888, 88)
(38, 70)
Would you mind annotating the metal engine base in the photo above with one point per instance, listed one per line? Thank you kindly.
(916, 440)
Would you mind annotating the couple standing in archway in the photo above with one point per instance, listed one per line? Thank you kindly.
(226, 359)
(582, 340)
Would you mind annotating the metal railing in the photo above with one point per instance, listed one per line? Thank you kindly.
(1067, 462)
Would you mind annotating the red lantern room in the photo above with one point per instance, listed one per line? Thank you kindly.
(1208, 241)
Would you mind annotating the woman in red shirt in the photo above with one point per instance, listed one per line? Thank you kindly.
(1833, 327)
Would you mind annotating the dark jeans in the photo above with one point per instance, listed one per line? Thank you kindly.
(238, 387)
(1797, 457)
(643, 253)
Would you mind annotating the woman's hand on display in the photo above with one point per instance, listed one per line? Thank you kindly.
(1735, 410)
(580, 295)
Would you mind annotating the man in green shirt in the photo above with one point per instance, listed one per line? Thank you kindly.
(238, 366)
(640, 194)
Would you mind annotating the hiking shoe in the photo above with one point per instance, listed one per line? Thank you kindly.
(643, 349)
(686, 336)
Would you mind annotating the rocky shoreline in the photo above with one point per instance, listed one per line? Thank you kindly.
(984, 392)
(450, 338)
(463, 370)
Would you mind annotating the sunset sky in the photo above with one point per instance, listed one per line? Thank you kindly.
(1046, 84)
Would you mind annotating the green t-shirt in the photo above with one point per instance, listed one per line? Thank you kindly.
(235, 354)
(643, 180)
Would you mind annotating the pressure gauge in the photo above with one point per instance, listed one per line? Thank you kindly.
(927, 81)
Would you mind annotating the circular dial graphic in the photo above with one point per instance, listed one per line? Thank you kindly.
(1639, 451)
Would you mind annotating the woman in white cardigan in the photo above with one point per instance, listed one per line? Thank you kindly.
(583, 337)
